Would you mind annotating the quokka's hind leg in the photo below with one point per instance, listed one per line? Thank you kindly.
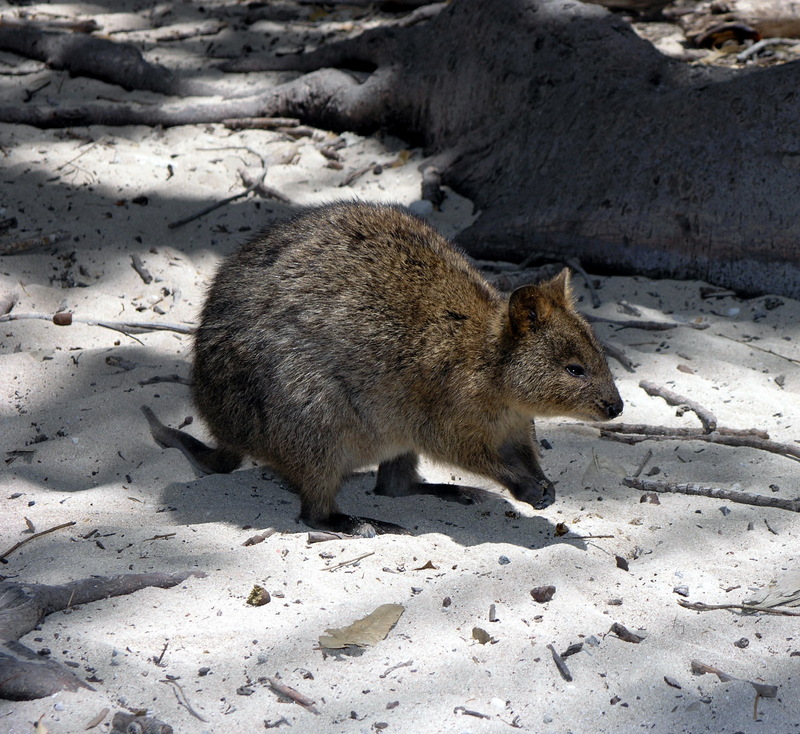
(319, 510)
(205, 459)
(398, 477)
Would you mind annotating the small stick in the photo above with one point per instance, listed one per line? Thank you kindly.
(16, 246)
(699, 606)
(259, 537)
(140, 268)
(560, 664)
(126, 327)
(616, 353)
(167, 378)
(32, 537)
(585, 537)
(348, 563)
(7, 302)
(621, 631)
(784, 449)
(707, 418)
(292, 694)
(261, 188)
(575, 264)
(717, 493)
(161, 656)
(221, 203)
(749, 345)
(681, 432)
(646, 325)
(357, 174)
(322, 536)
(469, 712)
(640, 469)
(181, 696)
(406, 664)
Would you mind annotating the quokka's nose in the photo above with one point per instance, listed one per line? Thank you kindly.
(614, 409)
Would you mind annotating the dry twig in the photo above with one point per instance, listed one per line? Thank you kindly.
(743, 441)
(699, 606)
(718, 493)
(646, 325)
(350, 562)
(707, 418)
(33, 537)
(292, 694)
(126, 327)
(139, 267)
(560, 664)
(14, 247)
(182, 699)
(221, 203)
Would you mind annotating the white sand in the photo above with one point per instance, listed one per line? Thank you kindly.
(79, 386)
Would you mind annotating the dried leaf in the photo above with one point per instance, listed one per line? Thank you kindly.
(364, 632)
(402, 158)
(97, 719)
(428, 565)
(481, 635)
(598, 465)
(783, 592)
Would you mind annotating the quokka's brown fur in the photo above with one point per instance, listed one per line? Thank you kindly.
(355, 334)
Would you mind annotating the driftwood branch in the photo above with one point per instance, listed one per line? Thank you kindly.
(25, 675)
(718, 493)
(707, 418)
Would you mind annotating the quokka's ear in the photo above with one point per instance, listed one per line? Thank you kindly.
(529, 308)
(560, 287)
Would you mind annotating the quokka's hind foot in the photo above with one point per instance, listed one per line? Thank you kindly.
(363, 527)
(205, 459)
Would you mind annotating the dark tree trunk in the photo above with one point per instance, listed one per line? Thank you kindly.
(574, 137)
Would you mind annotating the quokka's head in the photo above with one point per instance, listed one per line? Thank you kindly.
(555, 365)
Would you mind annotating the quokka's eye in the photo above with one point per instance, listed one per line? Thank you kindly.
(576, 370)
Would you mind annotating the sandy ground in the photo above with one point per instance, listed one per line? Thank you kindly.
(77, 448)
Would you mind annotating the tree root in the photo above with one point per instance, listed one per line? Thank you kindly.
(24, 675)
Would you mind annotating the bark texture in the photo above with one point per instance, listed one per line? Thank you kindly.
(26, 675)
(574, 137)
